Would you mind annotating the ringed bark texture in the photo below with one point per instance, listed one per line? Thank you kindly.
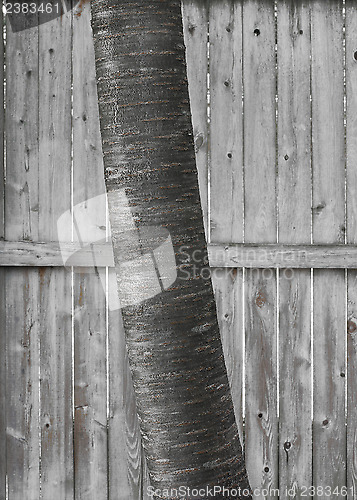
(184, 403)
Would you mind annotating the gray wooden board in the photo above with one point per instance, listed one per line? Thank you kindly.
(2, 284)
(328, 202)
(195, 25)
(226, 181)
(259, 87)
(226, 122)
(294, 220)
(351, 172)
(21, 223)
(89, 284)
(280, 256)
(55, 285)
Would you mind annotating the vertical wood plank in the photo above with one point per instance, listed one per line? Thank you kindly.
(294, 208)
(56, 384)
(2, 281)
(124, 445)
(329, 429)
(226, 128)
(226, 180)
(351, 131)
(90, 438)
(228, 290)
(21, 188)
(2, 384)
(22, 379)
(128, 474)
(54, 178)
(21, 223)
(2, 125)
(195, 24)
(90, 370)
(259, 80)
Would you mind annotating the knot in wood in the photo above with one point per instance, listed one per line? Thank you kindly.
(260, 299)
(351, 326)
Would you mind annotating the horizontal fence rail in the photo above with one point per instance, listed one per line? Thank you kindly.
(277, 256)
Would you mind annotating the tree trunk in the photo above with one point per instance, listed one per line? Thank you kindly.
(184, 404)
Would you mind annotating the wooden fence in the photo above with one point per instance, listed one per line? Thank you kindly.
(273, 90)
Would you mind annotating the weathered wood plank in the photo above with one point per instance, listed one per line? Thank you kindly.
(351, 131)
(226, 180)
(21, 222)
(226, 122)
(2, 282)
(284, 256)
(2, 126)
(54, 179)
(56, 383)
(28, 253)
(261, 433)
(128, 473)
(228, 289)
(294, 208)
(329, 429)
(2, 384)
(21, 188)
(195, 24)
(22, 384)
(279, 256)
(90, 330)
(351, 387)
(90, 419)
(260, 226)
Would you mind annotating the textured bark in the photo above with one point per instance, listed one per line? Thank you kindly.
(184, 403)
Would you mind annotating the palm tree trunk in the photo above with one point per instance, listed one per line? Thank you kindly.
(184, 404)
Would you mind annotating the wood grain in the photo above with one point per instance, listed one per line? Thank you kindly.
(351, 172)
(228, 289)
(54, 179)
(195, 26)
(283, 256)
(21, 222)
(90, 325)
(294, 205)
(329, 429)
(226, 122)
(226, 181)
(2, 384)
(56, 383)
(260, 227)
(22, 384)
(29, 253)
(129, 476)
(2, 130)
(279, 256)
(2, 283)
